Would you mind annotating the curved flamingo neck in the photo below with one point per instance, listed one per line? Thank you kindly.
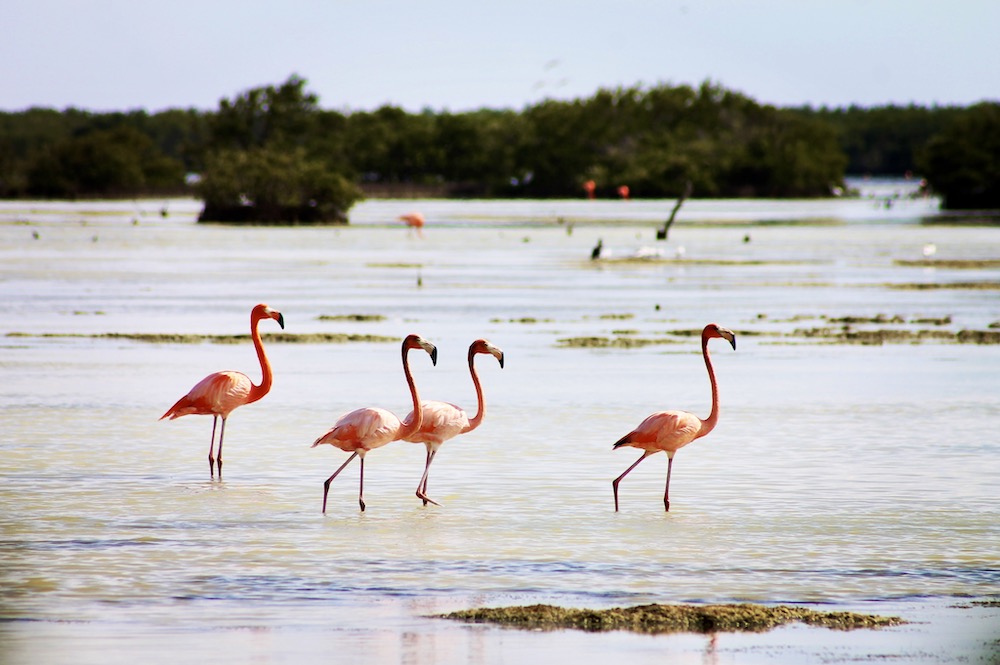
(476, 420)
(708, 424)
(412, 426)
(256, 392)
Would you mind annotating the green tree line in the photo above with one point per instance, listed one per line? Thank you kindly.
(273, 150)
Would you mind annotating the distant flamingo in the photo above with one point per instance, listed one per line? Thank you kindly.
(590, 187)
(368, 428)
(671, 430)
(414, 220)
(442, 421)
(219, 393)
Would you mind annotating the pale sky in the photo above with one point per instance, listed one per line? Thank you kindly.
(114, 55)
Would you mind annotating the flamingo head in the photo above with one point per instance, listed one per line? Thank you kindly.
(418, 342)
(484, 346)
(262, 311)
(714, 330)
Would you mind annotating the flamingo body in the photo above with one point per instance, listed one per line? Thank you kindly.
(216, 394)
(219, 393)
(442, 420)
(362, 430)
(669, 431)
(368, 428)
(666, 431)
(413, 220)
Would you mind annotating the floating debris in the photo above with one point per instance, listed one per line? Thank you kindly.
(657, 618)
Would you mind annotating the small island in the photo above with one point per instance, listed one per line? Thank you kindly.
(659, 618)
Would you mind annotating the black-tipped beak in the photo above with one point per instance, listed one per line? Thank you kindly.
(500, 359)
(281, 320)
(434, 356)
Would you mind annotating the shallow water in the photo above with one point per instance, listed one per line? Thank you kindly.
(840, 474)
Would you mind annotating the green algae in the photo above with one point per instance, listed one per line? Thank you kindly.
(620, 342)
(657, 618)
(351, 317)
(955, 264)
(188, 338)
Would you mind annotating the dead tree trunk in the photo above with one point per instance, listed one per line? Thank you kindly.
(661, 234)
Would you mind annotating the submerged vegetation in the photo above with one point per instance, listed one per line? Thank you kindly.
(192, 338)
(272, 154)
(816, 329)
(657, 618)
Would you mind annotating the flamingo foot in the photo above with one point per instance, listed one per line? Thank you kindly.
(362, 502)
(426, 499)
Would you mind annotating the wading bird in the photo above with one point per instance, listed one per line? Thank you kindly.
(443, 421)
(414, 220)
(219, 393)
(368, 428)
(671, 430)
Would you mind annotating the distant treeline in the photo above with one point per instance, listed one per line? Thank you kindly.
(273, 151)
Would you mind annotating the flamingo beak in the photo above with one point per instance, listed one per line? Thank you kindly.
(729, 336)
(280, 319)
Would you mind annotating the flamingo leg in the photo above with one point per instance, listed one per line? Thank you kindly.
(422, 485)
(361, 486)
(218, 457)
(614, 483)
(666, 492)
(211, 447)
(326, 485)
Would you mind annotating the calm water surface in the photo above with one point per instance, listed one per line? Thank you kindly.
(857, 476)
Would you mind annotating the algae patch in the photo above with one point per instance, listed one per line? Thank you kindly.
(351, 317)
(955, 264)
(179, 338)
(657, 618)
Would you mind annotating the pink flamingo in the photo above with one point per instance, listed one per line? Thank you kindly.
(219, 393)
(368, 428)
(442, 421)
(671, 430)
(414, 220)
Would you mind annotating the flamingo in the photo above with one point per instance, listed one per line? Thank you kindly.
(219, 393)
(442, 421)
(671, 430)
(414, 220)
(368, 428)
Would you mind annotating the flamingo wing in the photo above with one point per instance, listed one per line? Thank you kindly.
(362, 429)
(216, 394)
(664, 430)
(441, 421)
